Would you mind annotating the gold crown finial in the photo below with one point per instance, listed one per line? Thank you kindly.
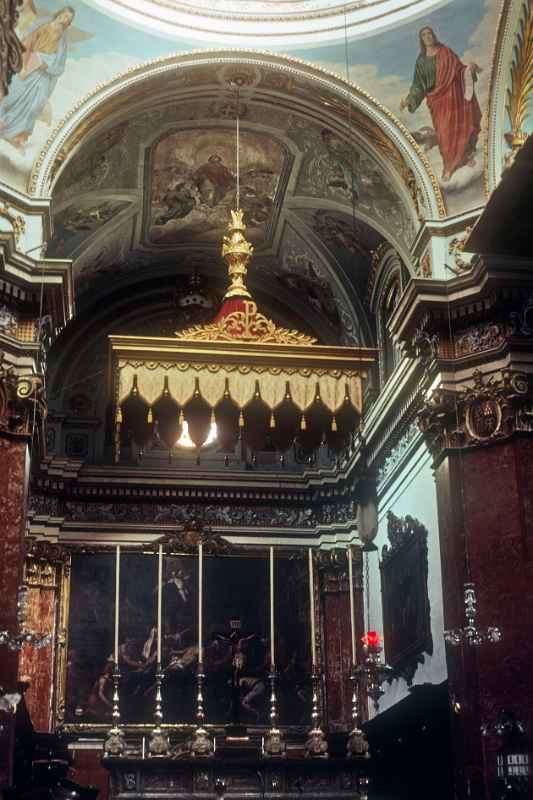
(237, 252)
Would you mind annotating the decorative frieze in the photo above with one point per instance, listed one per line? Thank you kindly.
(480, 337)
(234, 515)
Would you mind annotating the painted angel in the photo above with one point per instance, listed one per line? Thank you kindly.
(44, 59)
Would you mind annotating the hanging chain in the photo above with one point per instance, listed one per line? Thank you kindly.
(237, 114)
(367, 591)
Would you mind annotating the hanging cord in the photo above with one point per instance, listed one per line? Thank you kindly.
(237, 114)
(367, 591)
(349, 120)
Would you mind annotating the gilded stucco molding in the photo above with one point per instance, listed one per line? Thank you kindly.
(518, 95)
(332, 11)
(495, 124)
(324, 22)
(91, 109)
(18, 223)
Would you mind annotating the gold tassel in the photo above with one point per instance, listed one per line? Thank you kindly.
(272, 421)
(334, 425)
(303, 424)
(181, 418)
(118, 418)
(150, 416)
(241, 420)
(213, 418)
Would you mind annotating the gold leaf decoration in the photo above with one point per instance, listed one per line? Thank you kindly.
(246, 326)
(521, 82)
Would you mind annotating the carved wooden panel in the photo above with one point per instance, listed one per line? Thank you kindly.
(404, 584)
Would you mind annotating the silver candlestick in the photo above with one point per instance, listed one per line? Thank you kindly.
(115, 744)
(274, 745)
(357, 744)
(316, 745)
(471, 634)
(158, 744)
(364, 783)
(201, 743)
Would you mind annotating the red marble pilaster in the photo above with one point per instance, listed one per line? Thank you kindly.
(36, 664)
(14, 464)
(337, 645)
(485, 523)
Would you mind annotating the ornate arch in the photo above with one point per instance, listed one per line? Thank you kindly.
(417, 176)
(510, 87)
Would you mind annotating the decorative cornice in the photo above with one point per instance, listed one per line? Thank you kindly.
(491, 282)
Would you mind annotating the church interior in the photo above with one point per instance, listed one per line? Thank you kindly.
(266, 399)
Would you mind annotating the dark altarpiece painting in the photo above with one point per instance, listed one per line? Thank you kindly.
(235, 642)
(404, 586)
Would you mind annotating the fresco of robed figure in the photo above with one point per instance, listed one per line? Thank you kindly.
(448, 87)
(43, 63)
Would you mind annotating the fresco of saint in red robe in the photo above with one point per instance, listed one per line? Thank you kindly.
(448, 86)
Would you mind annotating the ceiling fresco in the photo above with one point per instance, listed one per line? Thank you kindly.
(69, 54)
(143, 186)
(192, 184)
(166, 179)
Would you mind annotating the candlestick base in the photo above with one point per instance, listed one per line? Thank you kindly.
(273, 744)
(364, 783)
(316, 745)
(114, 744)
(357, 744)
(201, 744)
(158, 743)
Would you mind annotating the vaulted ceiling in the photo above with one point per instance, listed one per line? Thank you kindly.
(148, 192)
